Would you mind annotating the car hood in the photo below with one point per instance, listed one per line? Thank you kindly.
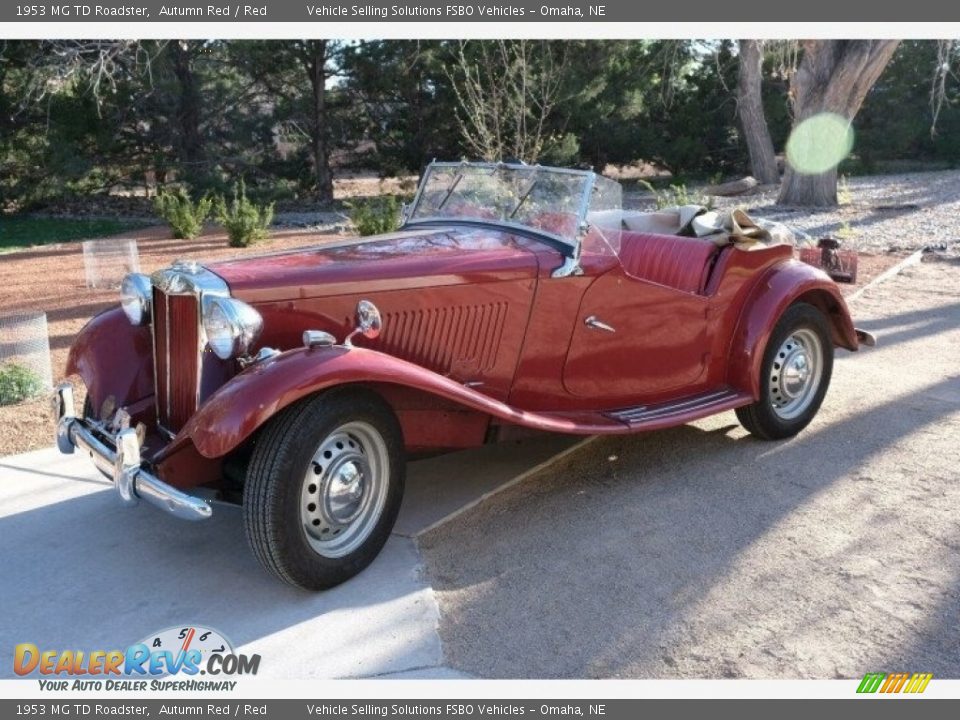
(409, 259)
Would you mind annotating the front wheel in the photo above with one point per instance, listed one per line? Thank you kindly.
(794, 376)
(324, 487)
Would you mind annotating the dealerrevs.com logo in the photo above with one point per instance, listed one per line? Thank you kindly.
(147, 665)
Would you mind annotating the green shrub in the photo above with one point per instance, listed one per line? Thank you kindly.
(245, 221)
(18, 383)
(184, 217)
(375, 215)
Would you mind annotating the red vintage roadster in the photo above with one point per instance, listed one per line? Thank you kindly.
(512, 297)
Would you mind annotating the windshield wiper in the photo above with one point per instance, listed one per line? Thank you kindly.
(453, 186)
(523, 199)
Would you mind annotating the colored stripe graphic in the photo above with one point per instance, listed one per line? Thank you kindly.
(889, 682)
(900, 681)
(923, 679)
(870, 683)
(894, 683)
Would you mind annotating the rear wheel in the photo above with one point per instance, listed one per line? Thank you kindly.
(324, 487)
(794, 376)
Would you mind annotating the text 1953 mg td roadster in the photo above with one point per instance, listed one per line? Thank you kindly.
(512, 297)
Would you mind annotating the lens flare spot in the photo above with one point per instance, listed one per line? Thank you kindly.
(819, 143)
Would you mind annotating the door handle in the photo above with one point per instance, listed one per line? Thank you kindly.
(594, 323)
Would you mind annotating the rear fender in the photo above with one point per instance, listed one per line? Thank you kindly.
(114, 358)
(783, 285)
(232, 414)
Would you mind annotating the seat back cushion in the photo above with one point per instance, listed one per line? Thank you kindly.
(682, 263)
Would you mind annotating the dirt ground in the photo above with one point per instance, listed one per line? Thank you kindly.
(699, 552)
(51, 279)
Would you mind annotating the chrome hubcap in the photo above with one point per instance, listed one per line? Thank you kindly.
(344, 490)
(795, 373)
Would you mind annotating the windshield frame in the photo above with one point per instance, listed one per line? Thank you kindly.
(569, 246)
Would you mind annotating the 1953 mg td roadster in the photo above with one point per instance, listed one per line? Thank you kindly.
(512, 296)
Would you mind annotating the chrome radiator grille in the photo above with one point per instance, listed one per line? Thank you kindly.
(176, 342)
(184, 375)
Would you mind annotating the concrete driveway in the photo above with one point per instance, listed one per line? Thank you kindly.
(700, 552)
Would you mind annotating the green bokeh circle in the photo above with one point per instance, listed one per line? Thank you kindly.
(819, 143)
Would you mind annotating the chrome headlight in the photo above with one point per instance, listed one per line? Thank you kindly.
(232, 326)
(136, 297)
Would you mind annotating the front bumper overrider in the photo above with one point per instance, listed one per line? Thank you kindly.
(118, 455)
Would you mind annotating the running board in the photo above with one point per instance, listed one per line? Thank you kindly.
(681, 411)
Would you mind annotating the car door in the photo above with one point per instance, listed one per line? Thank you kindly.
(634, 339)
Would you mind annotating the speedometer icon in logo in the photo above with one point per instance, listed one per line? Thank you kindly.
(199, 641)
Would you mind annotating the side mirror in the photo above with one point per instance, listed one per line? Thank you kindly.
(369, 322)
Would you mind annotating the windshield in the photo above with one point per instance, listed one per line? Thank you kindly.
(551, 201)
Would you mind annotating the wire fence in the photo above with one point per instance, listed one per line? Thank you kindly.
(25, 367)
(105, 262)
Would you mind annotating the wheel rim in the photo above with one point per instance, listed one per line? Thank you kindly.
(344, 489)
(796, 373)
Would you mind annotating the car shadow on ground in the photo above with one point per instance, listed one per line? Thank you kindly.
(85, 573)
(695, 552)
(906, 326)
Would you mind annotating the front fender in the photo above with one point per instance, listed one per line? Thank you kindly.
(114, 358)
(783, 285)
(242, 405)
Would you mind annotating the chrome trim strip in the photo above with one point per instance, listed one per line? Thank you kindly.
(119, 457)
(653, 410)
(201, 343)
(647, 412)
(153, 343)
(166, 330)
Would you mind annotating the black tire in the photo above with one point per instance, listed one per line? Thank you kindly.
(277, 478)
(763, 419)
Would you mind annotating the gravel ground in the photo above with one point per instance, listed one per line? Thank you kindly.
(700, 552)
(878, 213)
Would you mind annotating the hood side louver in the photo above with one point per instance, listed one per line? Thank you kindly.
(449, 340)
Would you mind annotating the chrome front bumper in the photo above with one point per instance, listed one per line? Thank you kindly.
(119, 457)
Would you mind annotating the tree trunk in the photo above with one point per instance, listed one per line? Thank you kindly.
(801, 189)
(763, 161)
(834, 77)
(188, 108)
(315, 59)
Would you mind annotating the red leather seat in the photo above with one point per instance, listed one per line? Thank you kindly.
(678, 262)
